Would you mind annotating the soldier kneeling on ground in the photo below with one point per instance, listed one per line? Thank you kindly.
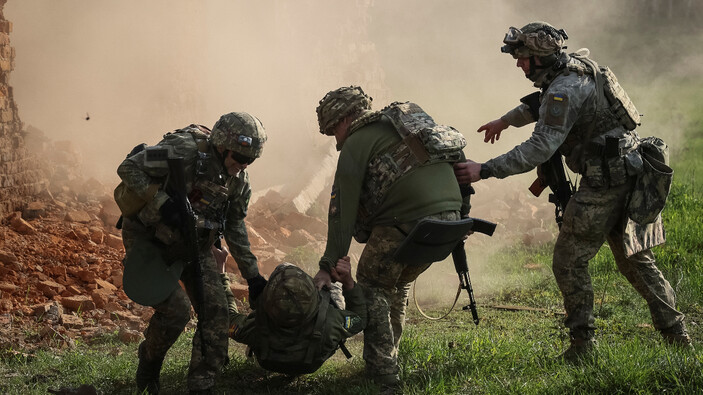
(295, 327)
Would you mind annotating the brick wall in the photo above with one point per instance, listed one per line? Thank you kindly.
(20, 175)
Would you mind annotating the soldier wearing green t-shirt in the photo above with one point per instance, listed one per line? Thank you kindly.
(380, 214)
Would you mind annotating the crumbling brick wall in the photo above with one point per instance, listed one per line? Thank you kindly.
(20, 176)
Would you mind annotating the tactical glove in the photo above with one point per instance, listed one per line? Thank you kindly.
(256, 287)
(171, 214)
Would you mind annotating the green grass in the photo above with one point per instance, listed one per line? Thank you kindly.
(508, 352)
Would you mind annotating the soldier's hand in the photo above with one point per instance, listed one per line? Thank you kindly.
(220, 257)
(322, 278)
(467, 172)
(342, 273)
(493, 130)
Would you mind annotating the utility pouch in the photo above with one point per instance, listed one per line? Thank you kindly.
(652, 186)
(617, 172)
(593, 173)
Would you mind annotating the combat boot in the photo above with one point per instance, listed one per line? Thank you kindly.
(148, 372)
(677, 336)
(579, 349)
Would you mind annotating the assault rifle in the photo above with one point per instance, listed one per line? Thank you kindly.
(433, 240)
(189, 232)
(551, 174)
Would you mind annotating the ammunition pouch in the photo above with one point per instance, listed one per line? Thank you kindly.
(611, 164)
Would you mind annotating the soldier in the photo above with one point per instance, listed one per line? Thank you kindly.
(296, 328)
(582, 113)
(381, 190)
(154, 229)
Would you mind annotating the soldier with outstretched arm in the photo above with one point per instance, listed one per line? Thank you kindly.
(582, 113)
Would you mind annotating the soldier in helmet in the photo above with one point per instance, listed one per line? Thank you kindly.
(218, 191)
(582, 113)
(379, 208)
(296, 328)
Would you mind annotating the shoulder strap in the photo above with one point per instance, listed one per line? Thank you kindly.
(319, 329)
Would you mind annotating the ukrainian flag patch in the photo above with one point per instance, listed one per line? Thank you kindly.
(558, 97)
(347, 322)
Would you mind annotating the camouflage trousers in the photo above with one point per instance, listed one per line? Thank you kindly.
(592, 217)
(390, 282)
(171, 316)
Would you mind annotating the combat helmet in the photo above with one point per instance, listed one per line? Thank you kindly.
(290, 297)
(536, 39)
(239, 132)
(339, 103)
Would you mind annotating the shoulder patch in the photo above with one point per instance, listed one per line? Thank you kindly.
(556, 106)
(334, 202)
(352, 323)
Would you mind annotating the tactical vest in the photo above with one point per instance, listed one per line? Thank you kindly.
(423, 143)
(297, 350)
(611, 95)
(208, 193)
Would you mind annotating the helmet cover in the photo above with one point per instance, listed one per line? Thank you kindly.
(339, 103)
(290, 297)
(534, 39)
(239, 132)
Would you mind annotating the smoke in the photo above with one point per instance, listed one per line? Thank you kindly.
(143, 68)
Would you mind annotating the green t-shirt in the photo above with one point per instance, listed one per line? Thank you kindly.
(423, 191)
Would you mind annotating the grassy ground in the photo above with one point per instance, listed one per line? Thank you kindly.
(508, 352)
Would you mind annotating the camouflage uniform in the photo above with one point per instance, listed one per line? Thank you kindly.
(203, 164)
(429, 191)
(572, 121)
(340, 323)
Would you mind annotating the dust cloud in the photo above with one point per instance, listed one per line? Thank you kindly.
(143, 68)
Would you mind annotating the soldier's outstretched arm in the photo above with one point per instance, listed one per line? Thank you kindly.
(493, 130)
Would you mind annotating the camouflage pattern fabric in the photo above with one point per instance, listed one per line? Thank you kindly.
(171, 315)
(592, 217)
(290, 297)
(340, 323)
(576, 119)
(652, 187)
(240, 132)
(339, 103)
(571, 121)
(390, 282)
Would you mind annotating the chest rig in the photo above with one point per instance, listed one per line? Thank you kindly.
(210, 189)
(423, 142)
(601, 143)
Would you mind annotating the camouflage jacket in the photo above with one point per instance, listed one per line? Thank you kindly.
(574, 121)
(571, 120)
(219, 200)
(339, 324)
